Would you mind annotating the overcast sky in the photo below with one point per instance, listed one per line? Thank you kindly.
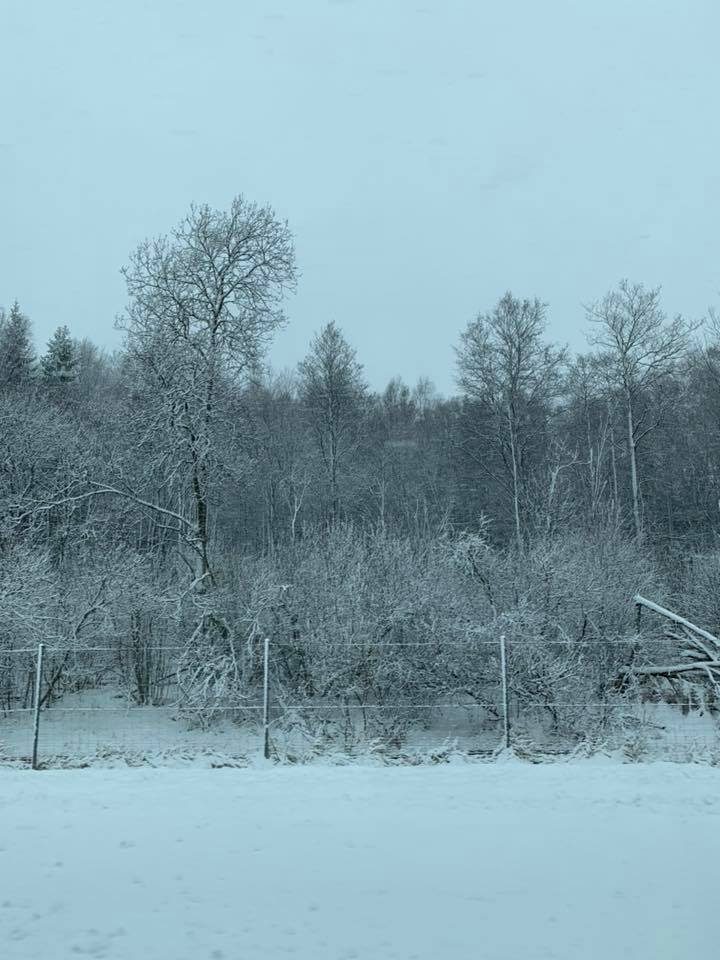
(428, 154)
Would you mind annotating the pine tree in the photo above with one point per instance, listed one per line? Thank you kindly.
(59, 365)
(17, 359)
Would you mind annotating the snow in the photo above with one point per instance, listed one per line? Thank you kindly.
(464, 861)
(102, 727)
(98, 724)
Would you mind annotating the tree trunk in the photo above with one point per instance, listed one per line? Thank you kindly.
(202, 562)
(516, 481)
(613, 463)
(633, 472)
(334, 498)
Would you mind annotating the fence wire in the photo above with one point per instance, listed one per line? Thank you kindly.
(147, 703)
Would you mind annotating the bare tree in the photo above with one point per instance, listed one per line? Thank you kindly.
(505, 367)
(641, 349)
(281, 454)
(333, 392)
(587, 424)
(203, 304)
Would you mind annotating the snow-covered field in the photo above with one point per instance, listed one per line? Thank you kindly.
(465, 861)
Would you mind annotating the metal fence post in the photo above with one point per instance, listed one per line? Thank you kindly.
(266, 701)
(38, 687)
(505, 696)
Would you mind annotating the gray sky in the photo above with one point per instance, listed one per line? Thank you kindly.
(428, 154)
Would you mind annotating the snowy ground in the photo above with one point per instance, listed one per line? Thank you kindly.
(504, 861)
(101, 726)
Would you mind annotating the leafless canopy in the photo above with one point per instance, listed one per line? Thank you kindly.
(502, 359)
(505, 366)
(215, 284)
(640, 345)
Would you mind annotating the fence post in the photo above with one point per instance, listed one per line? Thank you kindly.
(506, 700)
(38, 688)
(266, 701)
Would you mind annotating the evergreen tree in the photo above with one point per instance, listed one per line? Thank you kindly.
(17, 358)
(60, 362)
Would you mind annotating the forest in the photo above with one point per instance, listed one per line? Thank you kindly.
(177, 501)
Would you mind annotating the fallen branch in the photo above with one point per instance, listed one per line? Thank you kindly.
(672, 669)
(669, 615)
(703, 652)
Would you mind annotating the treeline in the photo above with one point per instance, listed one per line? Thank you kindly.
(626, 435)
(180, 481)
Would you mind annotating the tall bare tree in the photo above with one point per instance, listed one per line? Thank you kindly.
(203, 303)
(333, 391)
(641, 348)
(505, 367)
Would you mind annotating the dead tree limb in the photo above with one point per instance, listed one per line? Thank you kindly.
(669, 615)
(702, 648)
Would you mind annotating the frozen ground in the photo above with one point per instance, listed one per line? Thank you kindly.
(504, 861)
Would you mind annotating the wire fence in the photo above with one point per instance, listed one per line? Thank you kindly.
(77, 705)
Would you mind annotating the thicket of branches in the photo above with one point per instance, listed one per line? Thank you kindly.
(178, 495)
